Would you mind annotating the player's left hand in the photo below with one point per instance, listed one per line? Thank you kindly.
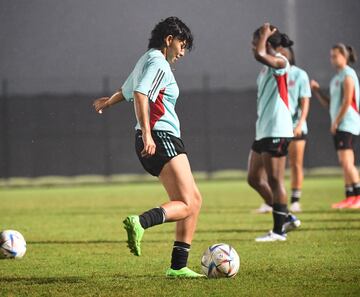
(149, 145)
(333, 128)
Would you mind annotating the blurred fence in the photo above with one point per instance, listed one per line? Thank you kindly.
(61, 134)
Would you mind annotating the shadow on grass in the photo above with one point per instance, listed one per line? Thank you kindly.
(76, 241)
(344, 220)
(331, 211)
(150, 277)
(329, 229)
(43, 280)
(145, 276)
(85, 242)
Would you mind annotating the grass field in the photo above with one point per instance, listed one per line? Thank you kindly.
(76, 244)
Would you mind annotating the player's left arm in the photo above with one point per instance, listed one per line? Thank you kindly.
(304, 106)
(304, 94)
(348, 90)
(261, 54)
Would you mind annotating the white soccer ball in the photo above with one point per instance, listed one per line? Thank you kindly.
(220, 260)
(12, 245)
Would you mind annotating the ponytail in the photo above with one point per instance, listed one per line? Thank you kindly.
(292, 56)
(352, 58)
(285, 41)
(347, 51)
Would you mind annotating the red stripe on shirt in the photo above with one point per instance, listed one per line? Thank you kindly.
(353, 102)
(157, 109)
(281, 81)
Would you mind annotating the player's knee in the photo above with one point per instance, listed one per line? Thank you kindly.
(349, 167)
(297, 168)
(190, 203)
(197, 200)
(251, 181)
(274, 181)
(254, 181)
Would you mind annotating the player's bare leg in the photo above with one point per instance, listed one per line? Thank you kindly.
(185, 197)
(258, 180)
(184, 208)
(351, 177)
(296, 160)
(275, 170)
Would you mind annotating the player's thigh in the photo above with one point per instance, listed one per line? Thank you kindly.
(346, 157)
(274, 166)
(296, 152)
(256, 169)
(177, 178)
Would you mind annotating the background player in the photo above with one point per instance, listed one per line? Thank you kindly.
(274, 131)
(345, 118)
(299, 103)
(299, 99)
(153, 88)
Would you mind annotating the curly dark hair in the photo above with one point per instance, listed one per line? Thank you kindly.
(277, 39)
(170, 26)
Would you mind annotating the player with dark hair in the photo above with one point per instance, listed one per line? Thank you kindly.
(274, 130)
(299, 103)
(345, 118)
(153, 88)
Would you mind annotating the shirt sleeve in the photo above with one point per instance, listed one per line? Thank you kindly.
(152, 79)
(305, 90)
(281, 71)
(127, 88)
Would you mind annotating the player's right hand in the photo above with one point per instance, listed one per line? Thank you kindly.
(101, 104)
(149, 145)
(266, 30)
(314, 85)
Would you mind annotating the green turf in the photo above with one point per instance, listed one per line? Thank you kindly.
(76, 244)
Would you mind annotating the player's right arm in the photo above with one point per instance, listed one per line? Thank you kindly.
(261, 49)
(323, 99)
(104, 102)
(151, 81)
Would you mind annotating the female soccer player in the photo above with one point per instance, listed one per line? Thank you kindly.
(345, 118)
(153, 88)
(299, 103)
(273, 128)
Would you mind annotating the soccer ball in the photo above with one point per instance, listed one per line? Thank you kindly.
(220, 260)
(12, 245)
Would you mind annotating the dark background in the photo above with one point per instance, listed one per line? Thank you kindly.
(57, 56)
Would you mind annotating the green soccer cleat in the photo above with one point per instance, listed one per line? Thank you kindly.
(135, 233)
(183, 272)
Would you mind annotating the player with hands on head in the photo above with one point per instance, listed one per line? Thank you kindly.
(274, 130)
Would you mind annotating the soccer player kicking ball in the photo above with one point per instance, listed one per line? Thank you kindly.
(274, 130)
(153, 88)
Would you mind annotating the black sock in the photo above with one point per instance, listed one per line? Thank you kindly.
(180, 254)
(349, 191)
(356, 189)
(152, 217)
(295, 195)
(280, 213)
